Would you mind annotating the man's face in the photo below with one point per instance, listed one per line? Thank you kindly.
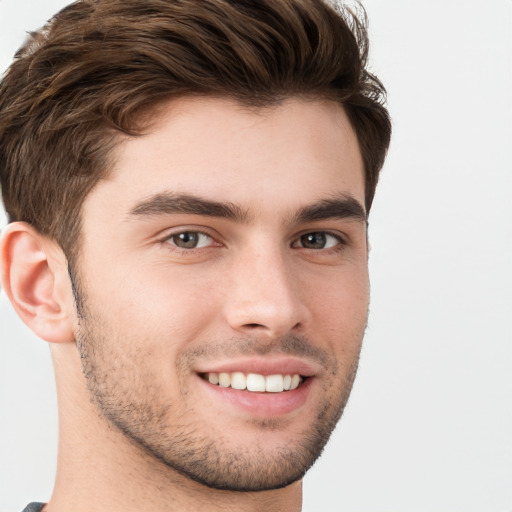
(227, 245)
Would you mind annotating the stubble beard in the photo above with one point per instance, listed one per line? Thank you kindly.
(129, 397)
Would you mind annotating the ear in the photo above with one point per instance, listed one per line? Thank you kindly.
(34, 276)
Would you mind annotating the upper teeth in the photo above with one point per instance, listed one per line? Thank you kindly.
(255, 381)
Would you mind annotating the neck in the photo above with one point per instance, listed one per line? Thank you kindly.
(100, 469)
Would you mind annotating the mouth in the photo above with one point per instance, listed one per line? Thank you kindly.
(272, 387)
(255, 382)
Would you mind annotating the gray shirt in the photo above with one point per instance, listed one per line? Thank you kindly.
(34, 507)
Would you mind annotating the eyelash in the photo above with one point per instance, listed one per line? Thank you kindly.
(341, 243)
(169, 240)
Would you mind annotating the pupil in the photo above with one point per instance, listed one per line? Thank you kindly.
(314, 241)
(186, 240)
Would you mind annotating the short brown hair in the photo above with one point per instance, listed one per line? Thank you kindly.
(98, 64)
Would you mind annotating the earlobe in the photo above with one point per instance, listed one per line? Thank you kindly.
(30, 264)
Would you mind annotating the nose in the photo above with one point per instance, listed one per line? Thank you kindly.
(264, 295)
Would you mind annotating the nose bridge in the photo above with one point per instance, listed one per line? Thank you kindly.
(265, 294)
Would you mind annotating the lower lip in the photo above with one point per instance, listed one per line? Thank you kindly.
(265, 405)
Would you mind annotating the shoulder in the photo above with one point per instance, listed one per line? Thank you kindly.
(34, 507)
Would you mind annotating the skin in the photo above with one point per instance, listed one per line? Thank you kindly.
(153, 317)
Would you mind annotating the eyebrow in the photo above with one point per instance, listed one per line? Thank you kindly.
(342, 207)
(168, 203)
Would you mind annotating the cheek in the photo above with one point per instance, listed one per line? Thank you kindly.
(341, 308)
(153, 306)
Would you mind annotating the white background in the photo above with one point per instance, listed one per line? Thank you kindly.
(429, 425)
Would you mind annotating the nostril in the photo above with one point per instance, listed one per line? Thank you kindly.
(262, 326)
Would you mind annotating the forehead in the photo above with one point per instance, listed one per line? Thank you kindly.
(264, 159)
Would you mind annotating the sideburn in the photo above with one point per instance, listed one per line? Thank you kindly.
(78, 295)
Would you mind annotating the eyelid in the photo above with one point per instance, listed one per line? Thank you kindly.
(200, 230)
(342, 239)
(201, 242)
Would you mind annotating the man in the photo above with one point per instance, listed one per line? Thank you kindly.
(188, 185)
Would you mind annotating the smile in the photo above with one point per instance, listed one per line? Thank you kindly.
(255, 382)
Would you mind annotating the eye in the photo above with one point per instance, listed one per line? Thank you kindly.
(190, 240)
(318, 240)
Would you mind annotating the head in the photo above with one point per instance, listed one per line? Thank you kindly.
(224, 155)
(101, 69)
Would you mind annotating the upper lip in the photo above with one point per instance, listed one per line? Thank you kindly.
(263, 366)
